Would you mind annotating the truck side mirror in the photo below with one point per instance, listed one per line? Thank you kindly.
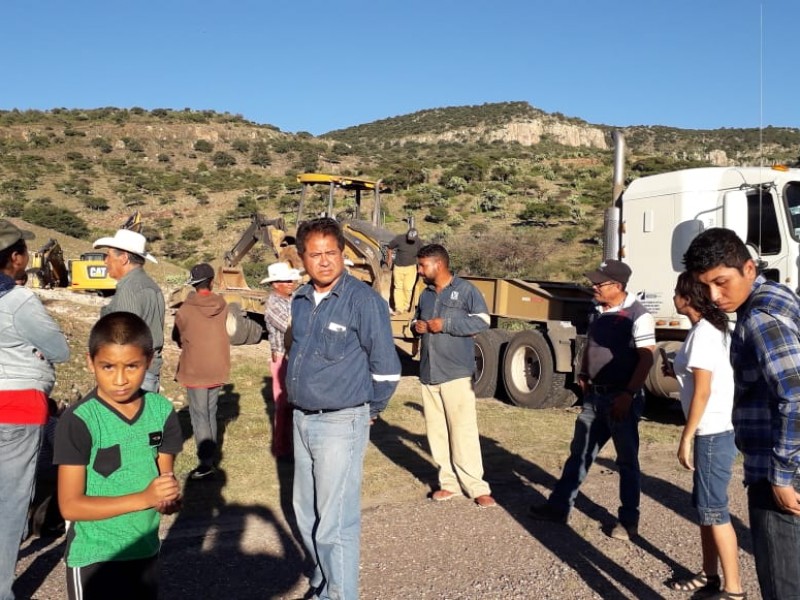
(734, 212)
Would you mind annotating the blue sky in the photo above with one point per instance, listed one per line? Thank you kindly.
(319, 65)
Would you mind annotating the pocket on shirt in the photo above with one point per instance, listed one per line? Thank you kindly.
(107, 460)
(333, 344)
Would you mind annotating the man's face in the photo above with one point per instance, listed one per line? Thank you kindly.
(19, 262)
(607, 292)
(727, 287)
(115, 263)
(428, 268)
(323, 261)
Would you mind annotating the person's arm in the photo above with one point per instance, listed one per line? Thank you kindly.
(75, 505)
(644, 337)
(697, 408)
(165, 467)
(778, 353)
(375, 336)
(34, 324)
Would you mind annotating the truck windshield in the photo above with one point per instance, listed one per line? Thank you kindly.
(792, 194)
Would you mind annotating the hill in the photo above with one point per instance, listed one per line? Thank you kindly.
(510, 189)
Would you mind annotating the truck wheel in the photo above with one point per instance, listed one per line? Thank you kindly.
(237, 324)
(254, 332)
(528, 373)
(489, 347)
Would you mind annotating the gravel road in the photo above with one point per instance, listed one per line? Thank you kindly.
(447, 551)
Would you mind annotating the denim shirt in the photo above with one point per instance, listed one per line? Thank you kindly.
(450, 354)
(342, 352)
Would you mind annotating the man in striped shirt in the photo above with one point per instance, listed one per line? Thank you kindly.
(765, 355)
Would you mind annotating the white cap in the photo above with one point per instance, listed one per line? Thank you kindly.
(126, 240)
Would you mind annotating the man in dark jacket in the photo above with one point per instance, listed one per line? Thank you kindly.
(450, 313)
(205, 361)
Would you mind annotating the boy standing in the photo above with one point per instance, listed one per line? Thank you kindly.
(115, 450)
(205, 361)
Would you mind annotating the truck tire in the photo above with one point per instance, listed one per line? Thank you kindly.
(237, 324)
(528, 373)
(489, 348)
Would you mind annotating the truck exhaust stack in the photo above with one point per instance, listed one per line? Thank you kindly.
(611, 218)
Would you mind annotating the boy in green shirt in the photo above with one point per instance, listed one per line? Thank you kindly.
(115, 450)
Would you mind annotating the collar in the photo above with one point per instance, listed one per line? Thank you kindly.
(757, 283)
(307, 291)
(626, 303)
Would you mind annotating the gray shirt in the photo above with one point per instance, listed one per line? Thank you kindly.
(138, 294)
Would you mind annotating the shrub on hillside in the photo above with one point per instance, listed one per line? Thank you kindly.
(192, 233)
(54, 217)
(12, 207)
(102, 144)
(203, 146)
(94, 202)
(223, 159)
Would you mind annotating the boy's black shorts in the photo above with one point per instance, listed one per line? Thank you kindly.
(118, 579)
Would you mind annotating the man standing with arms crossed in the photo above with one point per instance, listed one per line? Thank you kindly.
(343, 368)
(617, 358)
(136, 292)
(29, 345)
(765, 356)
(402, 259)
(450, 313)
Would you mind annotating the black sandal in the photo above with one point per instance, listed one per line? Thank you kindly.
(701, 584)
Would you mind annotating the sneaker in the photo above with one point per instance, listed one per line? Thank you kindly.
(485, 501)
(624, 532)
(442, 495)
(545, 512)
(202, 472)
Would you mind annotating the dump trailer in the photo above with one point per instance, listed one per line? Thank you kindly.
(649, 226)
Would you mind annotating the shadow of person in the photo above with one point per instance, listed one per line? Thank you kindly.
(219, 550)
(407, 450)
(37, 572)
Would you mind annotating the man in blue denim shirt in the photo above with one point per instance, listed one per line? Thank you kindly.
(765, 355)
(451, 312)
(343, 368)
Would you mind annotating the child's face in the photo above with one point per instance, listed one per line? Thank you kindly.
(119, 371)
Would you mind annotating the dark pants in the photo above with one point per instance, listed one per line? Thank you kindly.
(117, 579)
(776, 544)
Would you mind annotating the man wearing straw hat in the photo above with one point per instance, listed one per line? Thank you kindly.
(136, 292)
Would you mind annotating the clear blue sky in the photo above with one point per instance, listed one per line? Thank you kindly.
(319, 65)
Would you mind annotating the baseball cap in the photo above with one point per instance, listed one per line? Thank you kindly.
(10, 234)
(610, 270)
(200, 273)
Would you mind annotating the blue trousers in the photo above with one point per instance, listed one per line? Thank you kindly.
(593, 428)
(19, 448)
(329, 453)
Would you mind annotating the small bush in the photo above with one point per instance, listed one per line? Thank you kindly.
(192, 233)
(203, 146)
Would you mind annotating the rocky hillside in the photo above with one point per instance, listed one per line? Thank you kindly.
(512, 190)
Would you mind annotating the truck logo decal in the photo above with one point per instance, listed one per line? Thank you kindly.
(96, 272)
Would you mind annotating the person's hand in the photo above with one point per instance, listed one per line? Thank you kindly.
(621, 405)
(667, 369)
(685, 453)
(162, 489)
(421, 326)
(168, 508)
(583, 384)
(436, 325)
(787, 499)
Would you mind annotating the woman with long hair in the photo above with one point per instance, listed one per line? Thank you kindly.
(703, 370)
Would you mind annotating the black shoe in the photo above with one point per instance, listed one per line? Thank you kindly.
(545, 512)
(202, 472)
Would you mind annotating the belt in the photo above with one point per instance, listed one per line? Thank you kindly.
(322, 411)
(606, 388)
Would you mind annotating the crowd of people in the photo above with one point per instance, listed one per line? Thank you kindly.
(334, 368)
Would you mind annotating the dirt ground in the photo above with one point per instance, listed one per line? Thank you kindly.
(413, 548)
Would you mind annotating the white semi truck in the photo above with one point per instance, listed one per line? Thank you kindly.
(649, 226)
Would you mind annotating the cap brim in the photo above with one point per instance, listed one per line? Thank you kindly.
(27, 235)
(597, 277)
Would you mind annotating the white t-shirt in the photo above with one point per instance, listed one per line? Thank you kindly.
(707, 348)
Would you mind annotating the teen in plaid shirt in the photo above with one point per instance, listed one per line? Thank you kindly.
(765, 355)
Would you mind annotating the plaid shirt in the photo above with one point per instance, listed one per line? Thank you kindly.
(765, 354)
(277, 315)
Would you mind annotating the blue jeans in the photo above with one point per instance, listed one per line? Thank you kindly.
(593, 428)
(19, 448)
(329, 453)
(203, 413)
(776, 544)
(713, 469)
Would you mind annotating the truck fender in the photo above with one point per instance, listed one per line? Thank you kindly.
(561, 335)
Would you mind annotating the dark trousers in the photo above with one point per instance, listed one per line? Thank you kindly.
(117, 579)
(776, 544)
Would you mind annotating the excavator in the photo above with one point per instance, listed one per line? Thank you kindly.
(47, 269)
